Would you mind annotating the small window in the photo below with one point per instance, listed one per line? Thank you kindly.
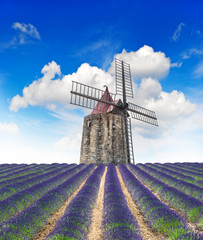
(89, 123)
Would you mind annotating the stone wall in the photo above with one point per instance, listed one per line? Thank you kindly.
(102, 140)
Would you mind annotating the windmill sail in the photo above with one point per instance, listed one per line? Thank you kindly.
(90, 97)
(122, 71)
(142, 114)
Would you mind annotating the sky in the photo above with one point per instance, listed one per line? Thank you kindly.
(45, 45)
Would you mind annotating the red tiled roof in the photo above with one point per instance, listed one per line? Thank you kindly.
(104, 107)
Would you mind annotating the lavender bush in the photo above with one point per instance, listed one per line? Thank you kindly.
(9, 173)
(28, 222)
(197, 176)
(158, 215)
(188, 188)
(118, 222)
(19, 201)
(175, 174)
(77, 218)
(12, 189)
(36, 172)
(189, 206)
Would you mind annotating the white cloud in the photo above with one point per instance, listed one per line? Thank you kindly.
(25, 30)
(25, 33)
(148, 89)
(199, 70)
(177, 32)
(169, 107)
(29, 154)
(191, 52)
(9, 128)
(50, 91)
(177, 146)
(69, 143)
(180, 142)
(145, 63)
(176, 64)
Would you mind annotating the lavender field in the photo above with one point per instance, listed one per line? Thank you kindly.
(70, 201)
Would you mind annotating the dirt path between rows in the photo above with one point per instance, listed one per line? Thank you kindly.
(51, 223)
(146, 232)
(190, 224)
(95, 230)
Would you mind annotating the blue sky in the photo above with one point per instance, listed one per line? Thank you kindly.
(44, 45)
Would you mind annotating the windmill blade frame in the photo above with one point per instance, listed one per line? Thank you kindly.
(142, 114)
(122, 72)
(88, 97)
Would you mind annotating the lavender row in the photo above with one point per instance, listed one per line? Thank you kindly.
(5, 167)
(26, 171)
(12, 189)
(17, 180)
(26, 224)
(188, 188)
(12, 166)
(197, 172)
(175, 174)
(189, 206)
(198, 168)
(77, 217)
(18, 170)
(187, 178)
(159, 216)
(35, 173)
(19, 201)
(118, 221)
(189, 170)
(188, 165)
(185, 172)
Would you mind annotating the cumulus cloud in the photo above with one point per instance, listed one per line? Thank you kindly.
(170, 107)
(177, 32)
(50, 91)
(145, 63)
(9, 128)
(148, 89)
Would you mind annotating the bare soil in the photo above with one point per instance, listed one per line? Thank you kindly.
(146, 232)
(95, 230)
(46, 230)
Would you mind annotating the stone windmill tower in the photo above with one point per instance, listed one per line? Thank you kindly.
(107, 135)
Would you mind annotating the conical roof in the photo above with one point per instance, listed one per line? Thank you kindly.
(104, 107)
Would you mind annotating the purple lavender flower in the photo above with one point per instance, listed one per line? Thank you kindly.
(118, 222)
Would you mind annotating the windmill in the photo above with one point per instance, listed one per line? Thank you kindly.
(105, 107)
